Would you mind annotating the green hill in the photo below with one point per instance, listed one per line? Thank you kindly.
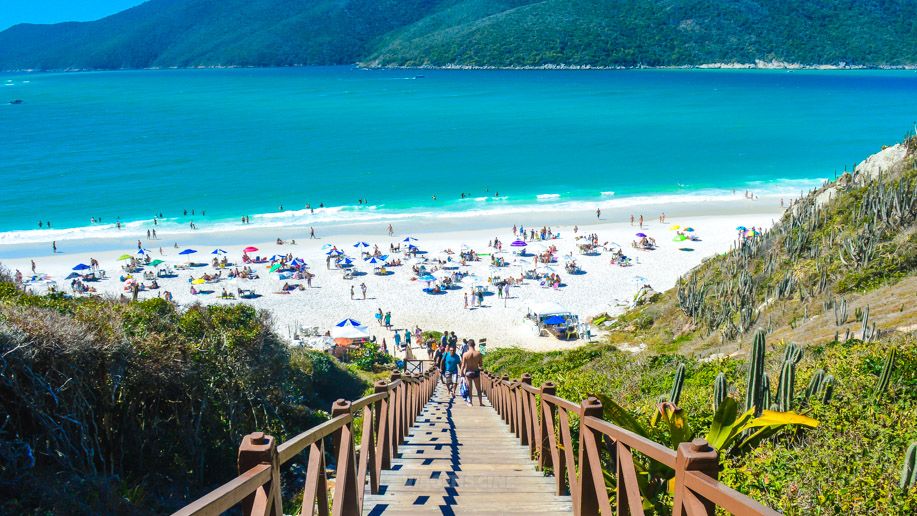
(188, 33)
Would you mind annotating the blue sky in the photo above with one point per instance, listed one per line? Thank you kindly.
(53, 11)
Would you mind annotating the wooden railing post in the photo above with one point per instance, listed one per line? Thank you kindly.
(504, 399)
(383, 429)
(529, 416)
(698, 456)
(588, 485)
(257, 448)
(546, 450)
(345, 490)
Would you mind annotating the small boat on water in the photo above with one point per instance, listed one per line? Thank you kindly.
(16, 101)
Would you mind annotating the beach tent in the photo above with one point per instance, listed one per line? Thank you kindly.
(349, 329)
(554, 320)
(81, 267)
(250, 249)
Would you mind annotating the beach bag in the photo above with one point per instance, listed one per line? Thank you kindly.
(463, 388)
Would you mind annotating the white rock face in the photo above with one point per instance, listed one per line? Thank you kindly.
(883, 161)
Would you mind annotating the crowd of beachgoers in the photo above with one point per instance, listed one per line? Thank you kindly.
(484, 282)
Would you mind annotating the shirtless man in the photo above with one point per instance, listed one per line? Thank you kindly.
(471, 370)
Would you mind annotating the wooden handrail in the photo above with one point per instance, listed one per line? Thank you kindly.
(541, 419)
(387, 414)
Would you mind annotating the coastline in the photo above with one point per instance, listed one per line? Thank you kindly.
(603, 288)
(757, 65)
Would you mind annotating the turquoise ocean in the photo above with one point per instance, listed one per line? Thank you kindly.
(129, 145)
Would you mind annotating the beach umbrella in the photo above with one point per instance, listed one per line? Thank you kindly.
(427, 277)
(199, 281)
(518, 243)
(348, 322)
(275, 267)
(327, 246)
(298, 262)
(741, 228)
(124, 257)
(374, 260)
(641, 235)
(409, 239)
(277, 257)
(675, 227)
(188, 251)
(250, 249)
(72, 275)
(689, 230)
(335, 252)
(361, 244)
(218, 251)
(154, 263)
(679, 238)
(142, 251)
(81, 267)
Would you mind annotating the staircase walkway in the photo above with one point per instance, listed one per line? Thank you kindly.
(463, 460)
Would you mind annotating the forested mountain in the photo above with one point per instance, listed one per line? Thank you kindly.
(187, 33)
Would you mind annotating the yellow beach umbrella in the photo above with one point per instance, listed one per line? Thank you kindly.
(199, 281)
(675, 227)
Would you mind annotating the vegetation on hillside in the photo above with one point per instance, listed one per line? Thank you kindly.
(188, 33)
(134, 408)
(829, 295)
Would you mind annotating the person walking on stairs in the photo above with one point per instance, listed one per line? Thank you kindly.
(451, 362)
(472, 361)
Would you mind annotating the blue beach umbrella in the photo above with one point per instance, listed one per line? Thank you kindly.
(518, 243)
(298, 262)
(335, 252)
(361, 244)
(188, 251)
(72, 275)
(373, 260)
(81, 267)
(218, 251)
(409, 239)
(741, 228)
(142, 251)
(641, 235)
(427, 277)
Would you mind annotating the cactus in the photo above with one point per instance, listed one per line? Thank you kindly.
(786, 386)
(865, 332)
(909, 470)
(792, 353)
(675, 393)
(766, 394)
(720, 390)
(755, 393)
(815, 383)
(840, 312)
(886, 376)
(827, 388)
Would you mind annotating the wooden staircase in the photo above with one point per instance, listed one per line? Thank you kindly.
(458, 459)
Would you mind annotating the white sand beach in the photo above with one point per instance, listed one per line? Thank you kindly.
(602, 287)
